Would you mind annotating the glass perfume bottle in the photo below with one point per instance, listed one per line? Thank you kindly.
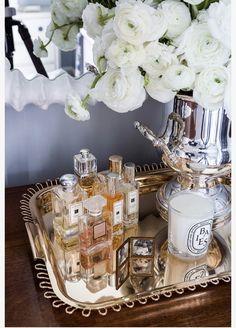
(67, 200)
(115, 204)
(85, 166)
(131, 196)
(95, 243)
(68, 261)
(115, 166)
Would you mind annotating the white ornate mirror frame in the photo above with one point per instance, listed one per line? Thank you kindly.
(42, 91)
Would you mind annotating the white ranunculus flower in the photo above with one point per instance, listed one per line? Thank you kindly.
(210, 87)
(72, 8)
(124, 54)
(95, 16)
(137, 22)
(219, 22)
(194, 2)
(201, 49)
(158, 57)
(39, 48)
(74, 108)
(50, 30)
(179, 77)
(157, 89)
(202, 16)
(65, 37)
(177, 16)
(101, 44)
(121, 90)
(58, 16)
(99, 58)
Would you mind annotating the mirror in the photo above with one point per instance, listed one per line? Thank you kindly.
(35, 15)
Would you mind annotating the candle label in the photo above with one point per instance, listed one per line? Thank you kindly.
(199, 237)
(196, 273)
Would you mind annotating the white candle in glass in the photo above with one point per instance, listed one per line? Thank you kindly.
(189, 224)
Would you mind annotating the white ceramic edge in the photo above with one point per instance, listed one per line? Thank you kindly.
(40, 90)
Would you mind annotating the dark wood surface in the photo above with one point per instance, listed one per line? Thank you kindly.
(26, 305)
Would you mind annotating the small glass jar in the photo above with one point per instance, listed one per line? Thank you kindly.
(189, 224)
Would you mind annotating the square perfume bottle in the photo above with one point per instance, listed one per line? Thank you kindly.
(68, 260)
(85, 167)
(95, 243)
(115, 204)
(131, 196)
(67, 204)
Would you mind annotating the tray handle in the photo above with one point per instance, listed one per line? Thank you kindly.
(34, 241)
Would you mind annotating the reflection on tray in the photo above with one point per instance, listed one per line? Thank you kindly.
(168, 270)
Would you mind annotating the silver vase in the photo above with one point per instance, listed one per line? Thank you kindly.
(197, 145)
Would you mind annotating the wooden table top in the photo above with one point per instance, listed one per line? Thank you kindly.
(26, 305)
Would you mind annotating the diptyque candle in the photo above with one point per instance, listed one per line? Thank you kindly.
(189, 224)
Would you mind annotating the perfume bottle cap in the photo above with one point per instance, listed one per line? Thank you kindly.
(68, 181)
(129, 172)
(112, 179)
(115, 164)
(85, 163)
(95, 204)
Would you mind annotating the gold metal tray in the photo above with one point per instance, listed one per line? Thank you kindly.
(170, 274)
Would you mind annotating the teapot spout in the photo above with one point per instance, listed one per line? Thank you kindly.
(150, 135)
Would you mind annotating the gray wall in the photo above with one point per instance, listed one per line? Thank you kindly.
(40, 144)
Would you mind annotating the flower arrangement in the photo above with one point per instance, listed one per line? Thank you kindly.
(150, 47)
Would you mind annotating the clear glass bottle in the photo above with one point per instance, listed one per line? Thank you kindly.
(95, 243)
(68, 261)
(85, 166)
(115, 166)
(67, 202)
(131, 197)
(115, 204)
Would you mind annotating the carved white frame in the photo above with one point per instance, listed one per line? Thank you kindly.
(40, 90)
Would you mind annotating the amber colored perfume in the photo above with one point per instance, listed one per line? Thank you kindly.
(85, 166)
(67, 203)
(95, 243)
(115, 166)
(115, 204)
(68, 260)
(131, 196)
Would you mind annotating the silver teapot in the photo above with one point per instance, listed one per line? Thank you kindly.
(197, 145)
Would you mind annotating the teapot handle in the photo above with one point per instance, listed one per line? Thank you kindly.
(147, 133)
(181, 127)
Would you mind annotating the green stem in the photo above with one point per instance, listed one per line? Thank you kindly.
(68, 31)
(85, 100)
(56, 28)
(194, 11)
(206, 4)
(49, 41)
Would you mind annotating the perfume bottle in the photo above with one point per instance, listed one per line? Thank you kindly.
(115, 166)
(67, 200)
(68, 261)
(95, 243)
(131, 196)
(85, 166)
(115, 204)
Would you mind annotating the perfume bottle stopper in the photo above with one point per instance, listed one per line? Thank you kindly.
(68, 181)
